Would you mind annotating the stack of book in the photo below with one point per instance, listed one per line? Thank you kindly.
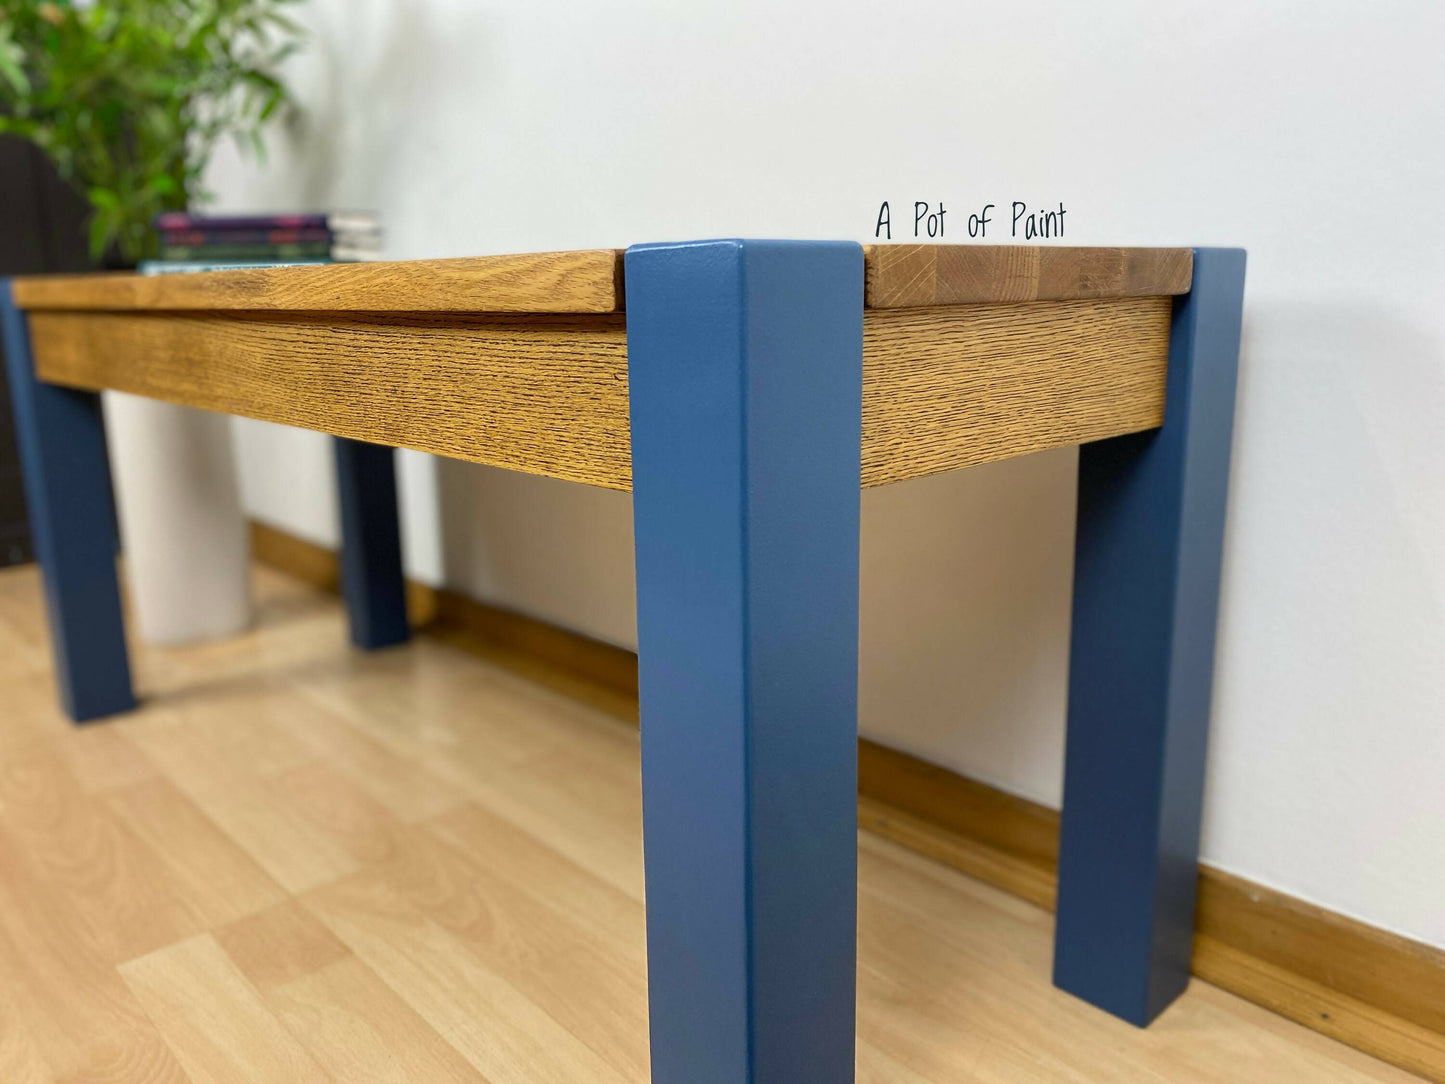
(207, 243)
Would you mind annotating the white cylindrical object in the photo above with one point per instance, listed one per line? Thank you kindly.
(184, 535)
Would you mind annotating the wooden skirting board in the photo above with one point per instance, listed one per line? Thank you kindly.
(598, 673)
(1378, 992)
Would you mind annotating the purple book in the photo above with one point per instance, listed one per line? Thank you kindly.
(245, 237)
(336, 221)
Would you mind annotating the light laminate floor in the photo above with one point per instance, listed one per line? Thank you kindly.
(296, 863)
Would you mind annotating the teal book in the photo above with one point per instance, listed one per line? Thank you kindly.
(310, 250)
(184, 267)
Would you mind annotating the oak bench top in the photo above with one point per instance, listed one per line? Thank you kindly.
(591, 281)
(971, 353)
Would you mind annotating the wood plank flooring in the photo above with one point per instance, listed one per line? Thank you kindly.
(296, 863)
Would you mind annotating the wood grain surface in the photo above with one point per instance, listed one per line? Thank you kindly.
(591, 280)
(943, 388)
(971, 352)
(952, 387)
(541, 394)
(1398, 976)
(583, 281)
(1372, 989)
(445, 870)
(910, 276)
(1363, 986)
(460, 892)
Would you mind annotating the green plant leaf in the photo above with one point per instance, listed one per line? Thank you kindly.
(12, 64)
(129, 97)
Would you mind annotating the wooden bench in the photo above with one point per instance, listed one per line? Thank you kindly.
(744, 391)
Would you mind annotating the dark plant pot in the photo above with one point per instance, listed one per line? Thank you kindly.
(42, 228)
(114, 261)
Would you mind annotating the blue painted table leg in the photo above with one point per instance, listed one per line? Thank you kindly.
(745, 376)
(1146, 587)
(371, 574)
(66, 472)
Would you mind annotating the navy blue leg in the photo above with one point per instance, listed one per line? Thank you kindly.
(1146, 587)
(745, 376)
(371, 574)
(72, 525)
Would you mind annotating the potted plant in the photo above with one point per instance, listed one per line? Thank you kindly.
(129, 97)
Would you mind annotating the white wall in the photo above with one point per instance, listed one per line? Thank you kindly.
(1308, 132)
